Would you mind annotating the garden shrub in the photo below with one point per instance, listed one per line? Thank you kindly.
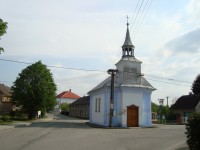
(6, 118)
(193, 132)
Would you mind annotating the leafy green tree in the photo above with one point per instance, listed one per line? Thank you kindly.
(171, 115)
(34, 90)
(3, 27)
(196, 85)
(193, 132)
(165, 110)
(64, 106)
(154, 107)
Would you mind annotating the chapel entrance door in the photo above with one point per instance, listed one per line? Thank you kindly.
(132, 116)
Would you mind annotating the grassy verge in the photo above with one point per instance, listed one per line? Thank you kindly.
(4, 120)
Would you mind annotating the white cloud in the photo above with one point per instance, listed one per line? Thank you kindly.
(194, 10)
(89, 34)
(188, 43)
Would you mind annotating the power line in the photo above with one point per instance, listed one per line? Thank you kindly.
(143, 18)
(133, 16)
(141, 14)
(173, 83)
(137, 14)
(168, 78)
(169, 82)
(68, 68)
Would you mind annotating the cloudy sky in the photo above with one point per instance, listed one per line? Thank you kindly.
(89, 34)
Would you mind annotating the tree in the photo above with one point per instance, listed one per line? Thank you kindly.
(34, 90)
(196, 85)
(3, 27)
(193, 132)
(64, 107)
(154, 107)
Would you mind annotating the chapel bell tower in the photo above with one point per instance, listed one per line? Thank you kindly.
(128, 47)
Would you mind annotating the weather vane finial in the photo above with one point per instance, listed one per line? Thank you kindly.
(127, 20)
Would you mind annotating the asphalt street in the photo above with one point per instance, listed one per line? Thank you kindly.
(66, 133)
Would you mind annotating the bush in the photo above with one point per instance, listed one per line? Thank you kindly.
(19, 115)
(193, 132)
(64, 107)
(12, 114)
(6, 118)
(171, 115)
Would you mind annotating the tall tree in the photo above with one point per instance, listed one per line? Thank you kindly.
(34, 89)
(196, 85)
(3, 27)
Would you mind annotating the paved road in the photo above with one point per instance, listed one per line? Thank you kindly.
(64, 133)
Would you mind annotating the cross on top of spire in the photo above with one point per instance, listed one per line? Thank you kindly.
(127, 20)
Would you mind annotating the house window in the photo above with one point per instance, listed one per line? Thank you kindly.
(96, 103)
(99, 105)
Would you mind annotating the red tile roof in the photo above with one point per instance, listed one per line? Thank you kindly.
(68, 95)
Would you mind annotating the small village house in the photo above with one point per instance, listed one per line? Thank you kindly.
(6, 105)
(185, 106)
(65, 97)
(80, 108)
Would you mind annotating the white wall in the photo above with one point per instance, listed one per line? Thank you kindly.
(130, 64)
(60, 101)
(64, 100)
(98, 117)
(132, 98)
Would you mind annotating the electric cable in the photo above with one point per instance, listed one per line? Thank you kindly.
(88, 70)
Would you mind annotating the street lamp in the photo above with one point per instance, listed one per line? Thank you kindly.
(161, 101)
(112, 72)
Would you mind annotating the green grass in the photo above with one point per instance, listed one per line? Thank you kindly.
(2, 122)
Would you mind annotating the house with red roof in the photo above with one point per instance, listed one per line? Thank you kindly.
(65, 97)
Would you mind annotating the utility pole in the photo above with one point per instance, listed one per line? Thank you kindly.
(167, 102)
(161, 102)
(112, 72)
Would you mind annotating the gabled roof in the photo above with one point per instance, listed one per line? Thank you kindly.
(68, 95)
(5, 90)
(81, 101)
(106, 83)
(187, 102)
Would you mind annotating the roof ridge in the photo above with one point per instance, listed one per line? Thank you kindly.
(68, 94)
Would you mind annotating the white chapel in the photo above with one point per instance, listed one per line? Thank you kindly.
(132, 93)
